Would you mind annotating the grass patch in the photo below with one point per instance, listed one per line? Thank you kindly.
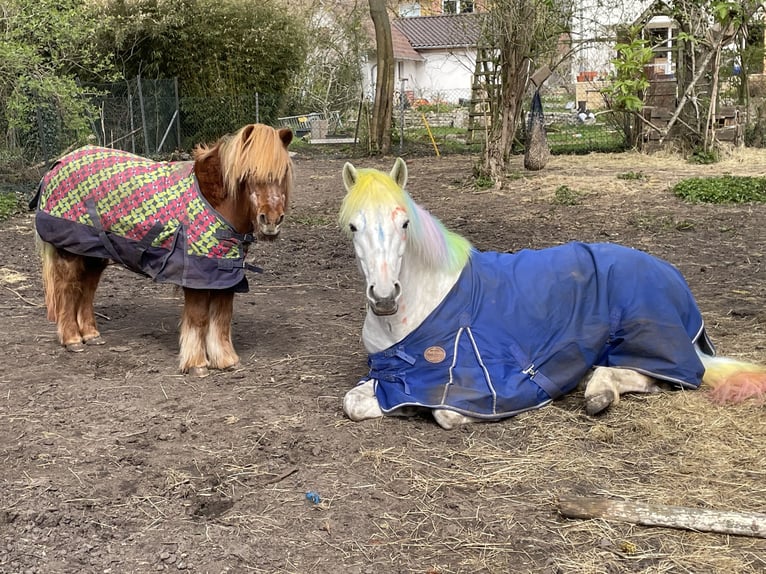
(10, 204)
(631, 175)
(722, 189)
(661, 222)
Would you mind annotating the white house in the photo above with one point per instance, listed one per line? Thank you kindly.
(435, 57)
(593, 34)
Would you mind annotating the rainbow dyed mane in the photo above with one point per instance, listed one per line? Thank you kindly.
(429, 240)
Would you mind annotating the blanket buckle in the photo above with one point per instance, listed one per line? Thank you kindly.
(530, 370)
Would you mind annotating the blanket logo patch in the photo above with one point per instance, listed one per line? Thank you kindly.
(434, 354)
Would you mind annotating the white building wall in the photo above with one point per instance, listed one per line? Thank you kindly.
(441, 76)
(446, 76)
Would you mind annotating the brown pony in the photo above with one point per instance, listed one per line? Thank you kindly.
(97, 204)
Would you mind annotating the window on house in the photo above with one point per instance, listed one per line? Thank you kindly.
(457, 6)
(409, 10)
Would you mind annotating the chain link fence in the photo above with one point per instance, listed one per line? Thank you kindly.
(150, 118)
(145, 117)
(455, 122)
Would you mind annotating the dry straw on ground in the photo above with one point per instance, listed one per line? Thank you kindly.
(112, 462)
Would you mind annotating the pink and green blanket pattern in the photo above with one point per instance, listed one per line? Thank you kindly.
(142, 212)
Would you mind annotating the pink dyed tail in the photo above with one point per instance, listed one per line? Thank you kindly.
(734, 381)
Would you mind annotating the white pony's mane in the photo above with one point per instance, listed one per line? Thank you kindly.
(429, 239)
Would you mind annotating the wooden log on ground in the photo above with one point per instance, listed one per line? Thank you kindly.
(698, 519)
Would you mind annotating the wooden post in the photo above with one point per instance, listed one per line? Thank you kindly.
(143, 114)
(178, 113)
(699, 519)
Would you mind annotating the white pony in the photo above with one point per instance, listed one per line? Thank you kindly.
(476, 336)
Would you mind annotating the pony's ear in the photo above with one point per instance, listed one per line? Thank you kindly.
(244, 134)
(399, 172)
(286, 135)
(349, 176)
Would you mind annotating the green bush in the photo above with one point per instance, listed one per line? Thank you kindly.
(722, 189)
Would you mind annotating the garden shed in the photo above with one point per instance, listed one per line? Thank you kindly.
(683, 103)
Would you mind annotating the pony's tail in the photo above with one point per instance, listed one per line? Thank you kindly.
(733, 381)
(48, 257)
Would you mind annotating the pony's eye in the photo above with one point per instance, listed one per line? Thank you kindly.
(405, 224)
(352, 227)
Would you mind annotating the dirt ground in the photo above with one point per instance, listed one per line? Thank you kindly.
(112, 462)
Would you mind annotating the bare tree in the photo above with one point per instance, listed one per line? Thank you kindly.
(526, 34)
(382, 113)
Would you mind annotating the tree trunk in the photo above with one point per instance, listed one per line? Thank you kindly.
(382, 111)
(513, 81)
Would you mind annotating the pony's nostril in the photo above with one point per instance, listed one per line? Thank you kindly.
(281, 219)
(262, 219)
(397, 290)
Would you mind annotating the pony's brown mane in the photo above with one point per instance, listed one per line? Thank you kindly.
(255, 152)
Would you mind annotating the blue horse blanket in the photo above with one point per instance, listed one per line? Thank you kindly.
(519, 330)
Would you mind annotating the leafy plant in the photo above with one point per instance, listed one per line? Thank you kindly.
(722, 189)
(46, 49)
(483, 182)
(703, 157)
(629, 82)
(564, 195)
(9, 205)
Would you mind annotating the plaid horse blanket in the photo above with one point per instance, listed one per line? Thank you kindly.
(149, 216)
(519, 330)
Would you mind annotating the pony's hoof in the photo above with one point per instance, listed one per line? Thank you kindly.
(360, 402)
(97, 340)
(77, 347)
(598, 403)
(450, 420)
(199, 372)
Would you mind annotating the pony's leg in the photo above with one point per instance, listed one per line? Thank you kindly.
(607, 383)
(194, 326)
(449, 420)
(62, 274)
(220, 350)
(360, 403)
(86, 315)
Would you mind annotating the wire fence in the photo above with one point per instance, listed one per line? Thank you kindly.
(465, 126)
(146, 117)
(151, 118)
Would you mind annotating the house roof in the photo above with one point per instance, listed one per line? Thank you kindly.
(402, 48)
(443, 31)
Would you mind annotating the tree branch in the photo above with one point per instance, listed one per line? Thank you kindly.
(698, 519)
